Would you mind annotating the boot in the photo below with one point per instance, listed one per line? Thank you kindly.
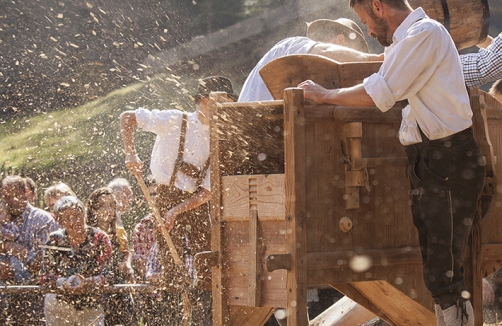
(439, 315)
(460, 314)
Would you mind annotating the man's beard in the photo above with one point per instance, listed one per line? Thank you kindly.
(382, 33)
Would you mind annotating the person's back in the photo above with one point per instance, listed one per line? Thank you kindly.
(341, 40)
(254, 88)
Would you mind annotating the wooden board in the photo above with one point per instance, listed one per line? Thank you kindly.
(388, 303)
(238, 196)
(289, 71)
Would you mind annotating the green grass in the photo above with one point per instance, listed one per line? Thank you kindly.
(81, 146)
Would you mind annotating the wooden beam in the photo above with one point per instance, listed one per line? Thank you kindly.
(389, 303)
(296, 228)
(221, 314)
(379, 257)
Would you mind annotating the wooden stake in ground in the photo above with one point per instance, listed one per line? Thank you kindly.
(170, 244)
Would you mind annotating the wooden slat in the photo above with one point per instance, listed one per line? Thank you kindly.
(296, 234)
(219, 305)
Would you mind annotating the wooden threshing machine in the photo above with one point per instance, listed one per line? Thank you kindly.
(311, 195)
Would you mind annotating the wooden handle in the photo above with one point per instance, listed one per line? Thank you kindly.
(170, 244)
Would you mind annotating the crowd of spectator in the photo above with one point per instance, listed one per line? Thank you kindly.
(72, 248)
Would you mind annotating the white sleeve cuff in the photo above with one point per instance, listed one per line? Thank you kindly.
(377, 89)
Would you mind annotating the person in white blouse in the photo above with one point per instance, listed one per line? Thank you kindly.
(180, 166)
(445, 167)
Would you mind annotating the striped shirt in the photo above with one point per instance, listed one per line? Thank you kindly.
(484, 66)
(35, 225)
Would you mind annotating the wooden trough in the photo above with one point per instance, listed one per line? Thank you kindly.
(311, 196)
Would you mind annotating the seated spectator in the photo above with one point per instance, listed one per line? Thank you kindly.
(9, 231)
(102, 213)
(74, 266)
(54, 192)
(34, 225)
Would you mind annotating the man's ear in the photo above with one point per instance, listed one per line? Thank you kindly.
(377, 8)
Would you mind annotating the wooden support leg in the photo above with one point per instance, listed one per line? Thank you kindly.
(388, 303)
(296, 232)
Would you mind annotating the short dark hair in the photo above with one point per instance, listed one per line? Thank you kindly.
(496, 88)
(398, 4)
(68, 202)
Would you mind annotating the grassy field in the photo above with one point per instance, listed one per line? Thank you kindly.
(81, 146)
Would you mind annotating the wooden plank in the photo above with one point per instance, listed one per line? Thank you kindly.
(397, 308)
(254, 283)
(340, 259)
(355, 295)
(296, 232)
(269, 197)
(237, 261)
(290, 70)
(343, 312)
(219, 305)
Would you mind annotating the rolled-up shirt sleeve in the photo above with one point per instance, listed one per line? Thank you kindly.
(408, 65)
(156, 121)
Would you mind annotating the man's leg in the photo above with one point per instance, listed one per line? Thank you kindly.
(446, 180)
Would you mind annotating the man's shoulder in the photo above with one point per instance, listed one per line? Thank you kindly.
(39, 214)
(294, 41)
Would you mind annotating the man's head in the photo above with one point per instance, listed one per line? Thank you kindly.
(14, 194)
(54, 192)
(341, 31)
(123, 194)
(70, 213)
(381, 17)
(496, 90)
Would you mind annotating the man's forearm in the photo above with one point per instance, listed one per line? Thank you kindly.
(127, 124)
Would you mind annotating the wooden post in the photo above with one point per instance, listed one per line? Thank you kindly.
(220, 308)
(296, 232)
